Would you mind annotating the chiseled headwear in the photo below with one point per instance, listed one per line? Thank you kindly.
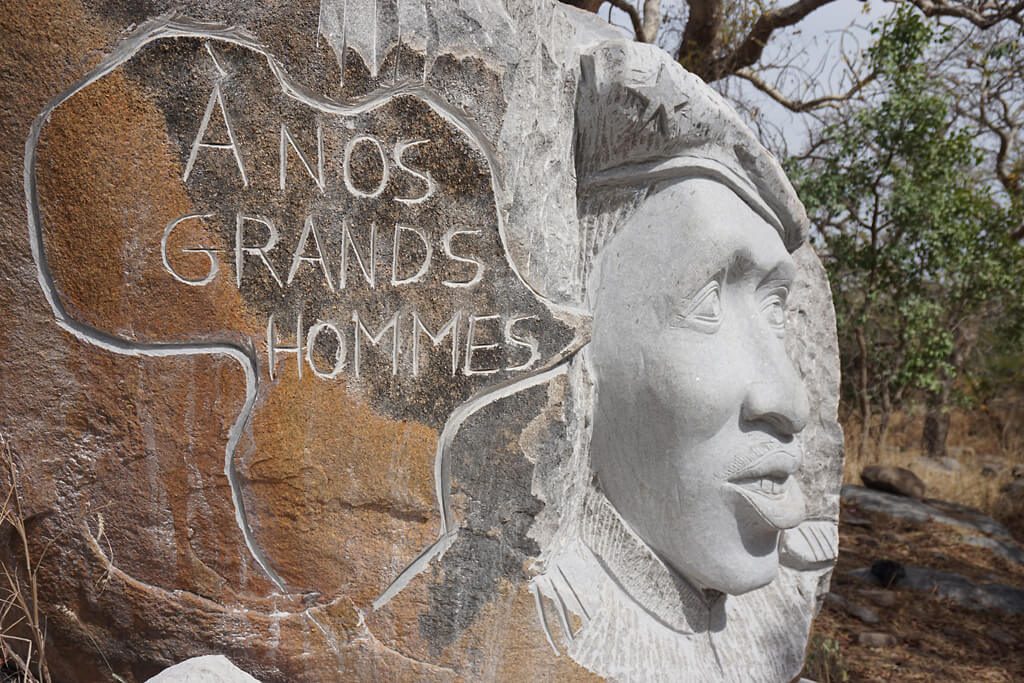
(642, 119)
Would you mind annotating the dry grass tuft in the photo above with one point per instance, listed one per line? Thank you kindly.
(22, 626)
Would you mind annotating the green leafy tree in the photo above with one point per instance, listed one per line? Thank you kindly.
(919, 247)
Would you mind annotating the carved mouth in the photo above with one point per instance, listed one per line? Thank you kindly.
(768, 486)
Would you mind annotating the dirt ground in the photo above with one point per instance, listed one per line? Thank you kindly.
(934, 638)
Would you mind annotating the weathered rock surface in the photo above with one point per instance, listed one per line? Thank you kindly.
(952, 586)
(861, 612)
(892, 479)
(977, 528)
(937, 637)
(294, 356)
(206, 669)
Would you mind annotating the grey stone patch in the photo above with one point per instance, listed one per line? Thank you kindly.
(957, 588)
(881, 598)
(979, 529)
(205, 669)
(492, 476)
(861, 612)
(1008, 551)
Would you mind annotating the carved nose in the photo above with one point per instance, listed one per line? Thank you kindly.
(778, 400)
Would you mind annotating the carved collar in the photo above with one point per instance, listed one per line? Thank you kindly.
(641, 574)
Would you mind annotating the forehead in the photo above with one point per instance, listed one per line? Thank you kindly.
(698, 227)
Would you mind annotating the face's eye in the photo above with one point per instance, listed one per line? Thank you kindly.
(704, 311)
(773, 307)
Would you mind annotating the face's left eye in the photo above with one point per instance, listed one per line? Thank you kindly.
(704, 311)
(773, 307)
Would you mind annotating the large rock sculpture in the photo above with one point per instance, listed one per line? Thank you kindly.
(419, 340)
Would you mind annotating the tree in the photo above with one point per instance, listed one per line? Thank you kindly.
(724, 42)
(919, 247)
(721, 38)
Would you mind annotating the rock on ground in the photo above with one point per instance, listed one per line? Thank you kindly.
(898, 480)
(207, 669)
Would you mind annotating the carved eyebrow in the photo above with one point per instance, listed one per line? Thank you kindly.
(782, 274)
(743, 264)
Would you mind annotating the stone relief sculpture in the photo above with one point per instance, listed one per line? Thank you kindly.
(672, 525)
(511, 317)
(676, 540)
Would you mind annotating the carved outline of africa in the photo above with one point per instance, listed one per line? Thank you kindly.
(178, 27)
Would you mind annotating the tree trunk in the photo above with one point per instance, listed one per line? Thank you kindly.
(864, 398)
(884, 419)
(936, 424)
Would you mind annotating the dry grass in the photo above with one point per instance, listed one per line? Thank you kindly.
(22, 626)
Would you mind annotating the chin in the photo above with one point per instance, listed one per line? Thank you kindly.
(757, 572)
(739, 574)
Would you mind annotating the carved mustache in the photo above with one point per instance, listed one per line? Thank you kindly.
(764, 458)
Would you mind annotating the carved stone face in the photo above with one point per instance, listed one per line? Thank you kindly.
(697, 400)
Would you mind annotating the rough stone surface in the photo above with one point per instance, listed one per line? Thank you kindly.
(977, 528)
(952, 586)
(206, 669)
(892, 479)
(861, 612)
(297, 356)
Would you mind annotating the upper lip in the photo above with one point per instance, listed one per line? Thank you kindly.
(770, 461)
(763, 477)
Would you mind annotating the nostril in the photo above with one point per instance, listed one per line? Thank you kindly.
(780, 425)
(780, 407)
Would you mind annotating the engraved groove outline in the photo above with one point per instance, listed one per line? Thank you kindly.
(176, 26)
(558, 365)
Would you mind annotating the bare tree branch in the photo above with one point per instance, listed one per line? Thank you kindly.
(634, 18)
(988, 16)
(749, 51)
(808, 105)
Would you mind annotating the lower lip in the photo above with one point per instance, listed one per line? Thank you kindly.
(782, 509)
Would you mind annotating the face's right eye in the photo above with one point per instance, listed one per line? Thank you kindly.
(703, 312)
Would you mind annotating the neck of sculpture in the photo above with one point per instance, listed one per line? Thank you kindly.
(635, 567)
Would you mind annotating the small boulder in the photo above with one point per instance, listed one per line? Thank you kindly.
(880, 598)
(888, 572)
(208, 669)
(865, 614)
(891, 479)
(874, 639)
(1013, 490)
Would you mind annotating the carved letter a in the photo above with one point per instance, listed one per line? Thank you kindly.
(215, 99)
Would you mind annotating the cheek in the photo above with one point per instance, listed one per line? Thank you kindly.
(695, 382)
